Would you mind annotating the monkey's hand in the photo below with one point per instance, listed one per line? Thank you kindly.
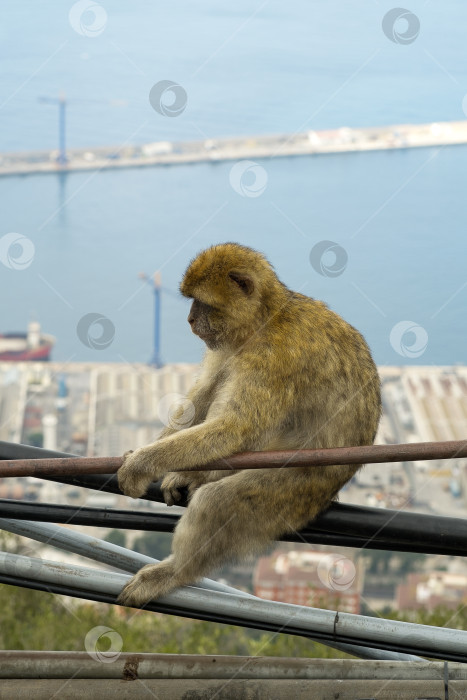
(137, 472)
(174, 481)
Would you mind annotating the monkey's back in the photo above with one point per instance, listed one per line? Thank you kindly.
(309, 353)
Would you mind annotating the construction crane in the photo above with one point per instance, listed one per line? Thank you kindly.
(155, 282)
(62, 103)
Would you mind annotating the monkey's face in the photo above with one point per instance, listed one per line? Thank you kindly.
(229, 284)
(207, 323)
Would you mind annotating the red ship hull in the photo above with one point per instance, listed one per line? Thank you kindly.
(21, 351)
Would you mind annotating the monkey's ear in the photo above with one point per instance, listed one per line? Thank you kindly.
(243, 281)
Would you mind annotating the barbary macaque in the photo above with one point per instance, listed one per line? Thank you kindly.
(281, 372)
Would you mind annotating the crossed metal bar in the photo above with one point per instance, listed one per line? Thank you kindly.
(359, 635)
(279, 459)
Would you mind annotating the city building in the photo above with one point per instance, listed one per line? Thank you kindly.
(430, 590)
(310, 577)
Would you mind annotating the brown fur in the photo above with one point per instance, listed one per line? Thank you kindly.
(281, 371)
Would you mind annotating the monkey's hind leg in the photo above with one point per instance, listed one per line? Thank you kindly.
(193, 553)
(217, 527)
(197, 548)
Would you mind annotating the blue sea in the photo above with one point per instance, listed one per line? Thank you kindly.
(395, 221)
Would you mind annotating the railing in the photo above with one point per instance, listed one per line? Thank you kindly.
(342, 525)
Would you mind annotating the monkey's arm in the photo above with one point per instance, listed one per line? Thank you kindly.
(237, 421)
(192, 411)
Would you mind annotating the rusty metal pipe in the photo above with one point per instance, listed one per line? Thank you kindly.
(251, 460)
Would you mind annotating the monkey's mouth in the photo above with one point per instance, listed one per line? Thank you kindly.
(197, 332)
(202, 333)
(209, 337)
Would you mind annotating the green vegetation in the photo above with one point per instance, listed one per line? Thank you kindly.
(154, 544)
(384, 563)
(36, 439)
(116, 537)
(36, 620)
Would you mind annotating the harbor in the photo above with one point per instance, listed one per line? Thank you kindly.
(307, 143)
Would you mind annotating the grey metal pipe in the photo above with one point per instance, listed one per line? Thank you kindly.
(427, 640)
(80, 664)
(127, 560)
(93, 548)
(215, 689)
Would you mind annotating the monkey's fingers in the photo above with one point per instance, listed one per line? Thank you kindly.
(132, 595)
(142, 588)
(133, 592)
(174, 487)
(171, 496)
(134, 476)
(131, 483)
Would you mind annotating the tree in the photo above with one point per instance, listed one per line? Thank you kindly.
(154, 544)
(116, 537)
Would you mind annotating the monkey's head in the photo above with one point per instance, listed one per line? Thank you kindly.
(232, 288)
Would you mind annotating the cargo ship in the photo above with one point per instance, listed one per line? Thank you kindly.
(32, 346)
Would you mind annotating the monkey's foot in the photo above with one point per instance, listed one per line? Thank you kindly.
(174, 481)
(152, 581)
